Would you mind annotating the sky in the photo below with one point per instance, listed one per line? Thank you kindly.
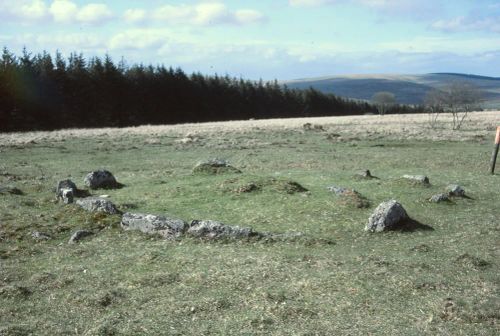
(273, 39)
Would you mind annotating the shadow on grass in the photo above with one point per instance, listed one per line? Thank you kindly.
(86, 192)
(115, 185)
(464, 196)
(82, 193)
(412, 225)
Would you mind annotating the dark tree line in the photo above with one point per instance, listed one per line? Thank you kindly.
(41, 92)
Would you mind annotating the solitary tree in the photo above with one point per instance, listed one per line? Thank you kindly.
(463, 98)
(383, 100)
(434, 102)
(457, 98)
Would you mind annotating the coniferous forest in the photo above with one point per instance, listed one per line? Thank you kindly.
(44, 92)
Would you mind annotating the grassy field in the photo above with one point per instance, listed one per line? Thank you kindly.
(335, 280)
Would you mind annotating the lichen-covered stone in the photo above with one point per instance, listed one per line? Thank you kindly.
(339, 190)
(79, 235)
(167, 227)
(388, 215)
(455, 190)
(100, 179)
(37, 235)
(350, 197)
(97, 204)
(438, 198)
(421, 179)
(213, 229)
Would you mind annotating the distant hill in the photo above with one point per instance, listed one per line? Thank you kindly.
(408, 89)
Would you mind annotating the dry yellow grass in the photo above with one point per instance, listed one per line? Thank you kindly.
(397, 126)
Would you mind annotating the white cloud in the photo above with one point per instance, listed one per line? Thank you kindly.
(66, 11)
(206, 14)
(94, 13)
(34, 10)
(247, 16)
(310, 3)
(63, 11)
(395, 8)
(430, 44)
(468, 23)
(23, 10)
(134, 15)
(75, 41)
(211, 13)
(173, 13)
(139, 39)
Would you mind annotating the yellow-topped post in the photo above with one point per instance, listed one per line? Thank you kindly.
(495, 151)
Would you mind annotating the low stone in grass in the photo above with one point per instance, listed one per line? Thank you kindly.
(364, 175)
(79, 235)
(97, 204)
(287, 186)
(101, 179)
(388, 215)
(350, 197)
(472, 261)
(166, 227)
(215, 166)
(246, 188)
(338, 190)
(37, 235)
(438, 198)
(455, 190)
(10, 190)
(417, 179)
(274, 184)
(312, 127)
(212, 230)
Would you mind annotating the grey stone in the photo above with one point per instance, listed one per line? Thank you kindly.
(388, 215)
(455, 190)
(79, 235)
(97, 204)
(350, 197)
(438, 198)
(214, 229)
(100, 179)
(422, 179)
(153, 224)
(339, 190)
(37, 235)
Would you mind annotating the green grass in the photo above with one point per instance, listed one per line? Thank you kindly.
(439, 282)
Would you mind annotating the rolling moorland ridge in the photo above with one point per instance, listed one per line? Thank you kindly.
(408, 89)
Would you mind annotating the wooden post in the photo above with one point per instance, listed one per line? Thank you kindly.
(495, 151)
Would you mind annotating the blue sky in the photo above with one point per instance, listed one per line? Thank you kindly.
(283, 39)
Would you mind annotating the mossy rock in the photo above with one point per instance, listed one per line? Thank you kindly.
(259, 184)
(286, 186)
(354, 199)
(215, 167)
